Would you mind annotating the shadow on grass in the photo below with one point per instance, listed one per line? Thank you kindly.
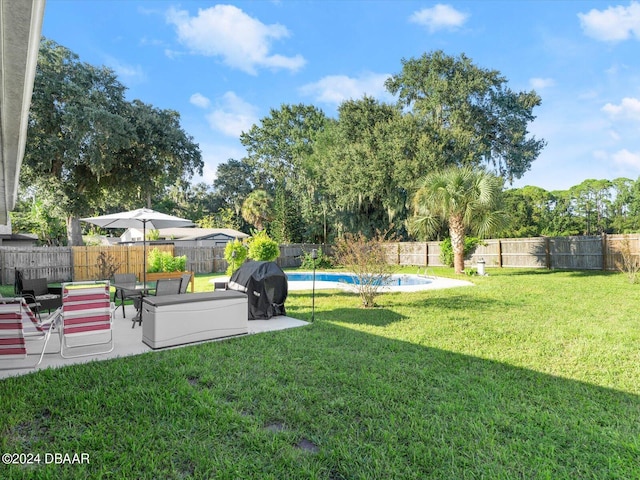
(591, 273)
(376, 407)
(506, 272)
(377, 316)
(435, 406)
(324, 293)
(384, 315)
(459, 302)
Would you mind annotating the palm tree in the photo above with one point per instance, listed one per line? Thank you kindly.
(467, 199)
(256, 208)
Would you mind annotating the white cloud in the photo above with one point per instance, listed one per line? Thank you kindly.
(172, 54)
(209, 171)
(151, 42)
(440, 17)
(335, 89)
(213, 154)
(541, 83)
(629, 108)
(127, 73)
(233, 116)
(199, 100)
(613, 24)
(617, 69)
(626, 158)
(225, 31)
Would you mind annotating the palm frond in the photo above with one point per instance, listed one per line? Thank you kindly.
(472, 194)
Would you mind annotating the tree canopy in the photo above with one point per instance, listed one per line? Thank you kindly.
(469, 113)
(468, 199)
(90, 147)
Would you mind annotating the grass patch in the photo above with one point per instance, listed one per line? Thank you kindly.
(529, 374)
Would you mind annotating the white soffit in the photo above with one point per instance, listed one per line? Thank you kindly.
(20, 31)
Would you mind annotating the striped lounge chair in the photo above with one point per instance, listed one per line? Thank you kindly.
(17, 324)
(87, 317)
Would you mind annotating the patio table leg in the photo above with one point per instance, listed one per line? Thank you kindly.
(138, 316)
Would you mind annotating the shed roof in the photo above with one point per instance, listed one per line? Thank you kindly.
(200, 233)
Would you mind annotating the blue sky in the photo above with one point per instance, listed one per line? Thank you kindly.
(223, 66)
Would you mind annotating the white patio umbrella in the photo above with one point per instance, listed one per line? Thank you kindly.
(142, 217)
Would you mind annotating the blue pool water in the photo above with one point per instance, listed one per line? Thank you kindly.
(349, 278)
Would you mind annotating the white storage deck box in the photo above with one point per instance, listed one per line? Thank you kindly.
(171, 320)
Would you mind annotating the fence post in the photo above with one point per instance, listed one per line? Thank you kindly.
(426, 254)
(499, 253)
(604, 251)
(72, 263)
(547, 252)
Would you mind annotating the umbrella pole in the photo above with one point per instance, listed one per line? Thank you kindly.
(144, 253)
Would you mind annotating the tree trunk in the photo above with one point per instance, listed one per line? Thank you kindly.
(456, 231)
(74, 233)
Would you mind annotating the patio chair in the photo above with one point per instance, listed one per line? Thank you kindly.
(186, 279)
(126, 279)
(168, 286)
(164, 286)
(87, 313)
(17, 323)
(39, 295)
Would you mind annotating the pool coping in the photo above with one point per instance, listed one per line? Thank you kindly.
(437, 284)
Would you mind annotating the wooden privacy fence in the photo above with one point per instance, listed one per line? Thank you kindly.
(60, 264)
(599, 252)
(128, 259)
(211, 259)
(203, 259)
(54, 263)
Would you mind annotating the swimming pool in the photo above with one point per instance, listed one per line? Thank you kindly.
(395, 280)
(397, 283)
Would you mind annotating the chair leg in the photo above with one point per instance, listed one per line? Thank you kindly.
(124, 315)
(137, 318)
(44, 347)
(63, 344)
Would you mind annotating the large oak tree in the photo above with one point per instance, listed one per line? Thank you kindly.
(468, 112)
(93, 150)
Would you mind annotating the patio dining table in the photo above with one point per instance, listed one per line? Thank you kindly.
(142, 289)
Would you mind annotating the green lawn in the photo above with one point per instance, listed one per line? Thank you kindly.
(529, 374)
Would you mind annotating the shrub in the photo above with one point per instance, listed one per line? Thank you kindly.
(240, 255)
(153, 235)
(173, 264)
(262, 248)
(323, 261)
(154, 261)
(107, 265)
(446, 250)
(158, 261)
(366, 259)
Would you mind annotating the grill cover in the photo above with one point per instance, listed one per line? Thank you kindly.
(265, 285)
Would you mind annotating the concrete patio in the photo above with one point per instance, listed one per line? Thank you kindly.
(127, 341)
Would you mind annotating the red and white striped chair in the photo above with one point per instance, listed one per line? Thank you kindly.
(17, 323)
(87, 314)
